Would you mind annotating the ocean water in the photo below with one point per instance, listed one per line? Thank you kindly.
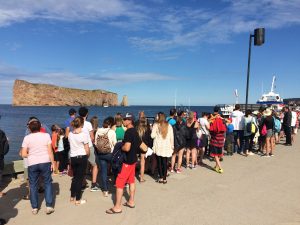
(13, 119)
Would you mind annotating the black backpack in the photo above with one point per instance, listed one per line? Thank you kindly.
(118, 157)
(4, 146)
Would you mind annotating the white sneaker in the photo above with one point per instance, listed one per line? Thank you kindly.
(49, 210)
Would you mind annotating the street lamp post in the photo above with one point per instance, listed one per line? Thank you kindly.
(259, 39)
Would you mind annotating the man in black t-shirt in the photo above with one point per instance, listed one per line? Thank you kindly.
(131, 145)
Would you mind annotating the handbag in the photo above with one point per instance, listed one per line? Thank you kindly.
(264, 130)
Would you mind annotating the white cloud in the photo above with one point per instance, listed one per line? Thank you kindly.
(190, 27)
(163, 26)
(66, 10)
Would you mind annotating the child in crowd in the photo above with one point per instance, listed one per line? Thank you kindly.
(229, 137)
(62, 152)
(54, 140)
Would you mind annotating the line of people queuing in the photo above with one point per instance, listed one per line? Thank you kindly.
(180, 139)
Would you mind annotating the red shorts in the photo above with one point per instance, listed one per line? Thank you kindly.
(127, 175)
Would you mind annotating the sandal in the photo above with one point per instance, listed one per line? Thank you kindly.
(142, 181)
(129, 206)
(80, 202)
(112, 211)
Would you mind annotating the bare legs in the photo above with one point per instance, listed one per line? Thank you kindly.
(194, 157)
(94, 174)
(142, 168)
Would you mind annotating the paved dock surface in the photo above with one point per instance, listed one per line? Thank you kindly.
(252, 191)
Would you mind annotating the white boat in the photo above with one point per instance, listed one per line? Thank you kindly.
(271, 97)
(226, 110)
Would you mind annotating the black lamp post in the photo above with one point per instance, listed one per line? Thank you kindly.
(259, 39)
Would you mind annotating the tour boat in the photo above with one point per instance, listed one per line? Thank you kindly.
(271, 97)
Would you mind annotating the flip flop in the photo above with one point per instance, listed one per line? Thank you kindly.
(80, 202)
(142, 181)
(112, 211)
(129, 206)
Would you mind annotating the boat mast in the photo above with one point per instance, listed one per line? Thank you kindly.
(273, 83)
(175, 98)
(236, 96)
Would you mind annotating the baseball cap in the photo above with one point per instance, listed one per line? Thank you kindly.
(128, 116)
(72, 111)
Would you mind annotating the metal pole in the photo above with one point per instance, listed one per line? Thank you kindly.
(248, 71)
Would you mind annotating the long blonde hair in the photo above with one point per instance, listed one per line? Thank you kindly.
(190, 118)
(163, 124)
(142, 126)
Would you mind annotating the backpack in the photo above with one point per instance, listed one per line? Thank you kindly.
(218, 125)
(251, 127)
(277, 125)
(4, 146)
(254, 128)
(102, 144)
(118, 157)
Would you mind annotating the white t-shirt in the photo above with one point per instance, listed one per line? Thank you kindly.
(37, 147)
(294, 119)
(204, 122)
(87, 128)
(77, 142)
(60, 146)
(237, 120)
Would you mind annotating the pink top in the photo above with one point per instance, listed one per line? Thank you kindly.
(37, 146)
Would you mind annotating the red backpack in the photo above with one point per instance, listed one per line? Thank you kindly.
(217, 125)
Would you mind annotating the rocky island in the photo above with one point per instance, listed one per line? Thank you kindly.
(30, 94)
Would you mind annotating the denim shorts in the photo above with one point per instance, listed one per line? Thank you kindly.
(270, 133)
(92, 158)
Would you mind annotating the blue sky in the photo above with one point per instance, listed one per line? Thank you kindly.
(151, 50)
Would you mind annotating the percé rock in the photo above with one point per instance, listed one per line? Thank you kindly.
(29, 94)
(124, 101)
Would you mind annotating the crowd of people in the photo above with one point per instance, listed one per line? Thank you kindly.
(160, 147)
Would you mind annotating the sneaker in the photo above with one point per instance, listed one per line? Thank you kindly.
(105, 193)
(95, 187)
(34, 211)
(172, 171)
(250, 153)
(271, 154)
(49, 210)
(266, 156)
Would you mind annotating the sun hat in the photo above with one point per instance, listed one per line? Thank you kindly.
(267, 112)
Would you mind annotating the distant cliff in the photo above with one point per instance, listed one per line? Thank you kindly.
(29, 94)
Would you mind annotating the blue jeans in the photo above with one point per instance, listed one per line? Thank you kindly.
(103, 160)
(34, 172)
(238, 134)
